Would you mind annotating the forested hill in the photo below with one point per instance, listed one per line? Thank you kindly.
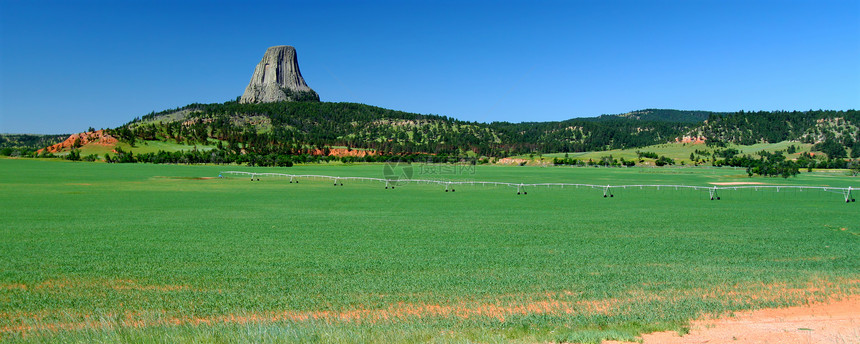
(807, 126)
(295, 127)
(298, 127)
(661, 115)
(29, 141)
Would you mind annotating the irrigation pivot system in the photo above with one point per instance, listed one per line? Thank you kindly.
(450, 185)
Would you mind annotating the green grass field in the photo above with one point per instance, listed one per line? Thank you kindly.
(679, 151)
(140, 147)
(93, 252)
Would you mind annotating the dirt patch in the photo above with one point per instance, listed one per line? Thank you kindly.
(512, 161)
(115, 284)
(696, 140)
(834, 322)
(342, 152)
(738, 183)
(13, 286)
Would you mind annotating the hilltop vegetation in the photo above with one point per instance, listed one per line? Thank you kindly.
(748, 128)
(662, 115)
(278, 134)
(25, 144)
(296, 127)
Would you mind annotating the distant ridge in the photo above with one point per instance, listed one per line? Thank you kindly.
(661, 115)
(295, 128)
(300, 127)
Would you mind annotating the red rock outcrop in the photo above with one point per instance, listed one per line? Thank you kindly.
(341, 152)
(97, 137)
(691, 139)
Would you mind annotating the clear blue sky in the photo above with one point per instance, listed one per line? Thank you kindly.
(67, 65)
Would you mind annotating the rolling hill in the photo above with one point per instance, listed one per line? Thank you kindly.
(324, 128)
(295, 127)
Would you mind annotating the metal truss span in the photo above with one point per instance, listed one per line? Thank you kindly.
(450, 185)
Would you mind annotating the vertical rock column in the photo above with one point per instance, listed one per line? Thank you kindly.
(277, 78)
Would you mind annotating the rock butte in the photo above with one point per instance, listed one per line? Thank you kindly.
(277, 78)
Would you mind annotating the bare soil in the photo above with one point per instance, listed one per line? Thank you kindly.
(342, 152)
(834, 322)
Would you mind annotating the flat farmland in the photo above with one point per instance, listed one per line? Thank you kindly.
(118, 253)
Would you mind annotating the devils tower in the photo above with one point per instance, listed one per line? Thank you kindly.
(277, 78)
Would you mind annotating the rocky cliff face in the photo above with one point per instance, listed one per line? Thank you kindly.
(277, 78)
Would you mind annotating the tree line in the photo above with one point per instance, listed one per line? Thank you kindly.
(291, 127)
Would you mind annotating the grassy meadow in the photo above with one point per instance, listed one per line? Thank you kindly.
(681, 151)
(141, 147)
(677, 151)
(94, 252)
